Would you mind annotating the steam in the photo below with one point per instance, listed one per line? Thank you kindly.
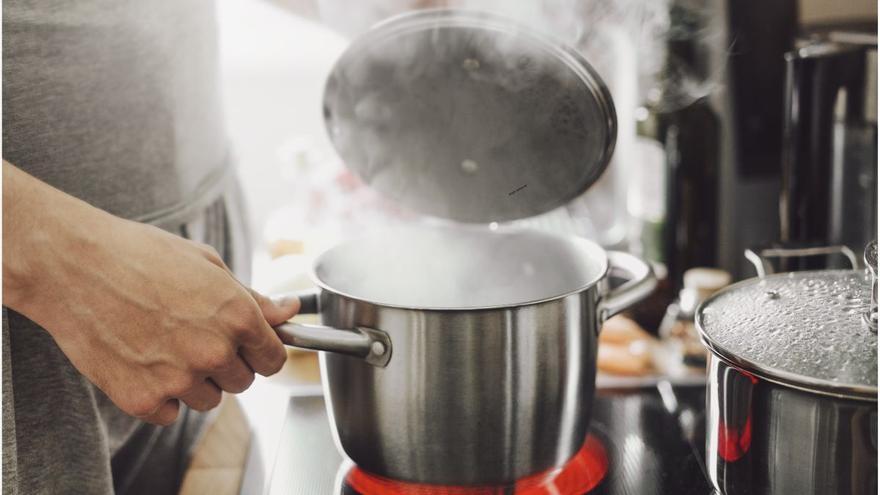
(456, 268)
(624, 40)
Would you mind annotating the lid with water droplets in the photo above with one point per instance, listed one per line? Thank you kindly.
(802, 329)
(469, 116)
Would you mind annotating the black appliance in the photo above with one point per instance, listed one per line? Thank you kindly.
(829, 160)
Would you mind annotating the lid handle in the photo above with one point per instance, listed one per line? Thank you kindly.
(870, 317)
(758, 256)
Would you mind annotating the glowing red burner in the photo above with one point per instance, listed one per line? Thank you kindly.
(580, 475)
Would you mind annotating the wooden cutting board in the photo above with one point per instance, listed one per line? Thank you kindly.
(220, 456)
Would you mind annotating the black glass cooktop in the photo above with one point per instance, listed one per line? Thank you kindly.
(653, 437)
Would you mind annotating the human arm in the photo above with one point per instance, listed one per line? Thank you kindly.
(148, 317)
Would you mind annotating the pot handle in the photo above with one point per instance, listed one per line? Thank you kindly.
(369, 344)
(641, 281)
(758, 256)
(871, 316)
(309, 301)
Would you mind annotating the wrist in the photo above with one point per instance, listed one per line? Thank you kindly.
(45, 230)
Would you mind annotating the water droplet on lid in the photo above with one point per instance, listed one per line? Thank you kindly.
(812, 324)
(469, 166)
(470, 64)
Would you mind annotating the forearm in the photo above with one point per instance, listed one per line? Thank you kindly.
(148, 317)
(37, 219)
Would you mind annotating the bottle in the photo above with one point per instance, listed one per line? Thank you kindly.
(690, 136)
(677, 330)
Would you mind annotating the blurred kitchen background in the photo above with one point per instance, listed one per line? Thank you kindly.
(699, 87)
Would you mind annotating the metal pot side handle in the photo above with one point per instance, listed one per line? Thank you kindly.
(309, 301)
(369, 344)
(641, 281)
(758, 256)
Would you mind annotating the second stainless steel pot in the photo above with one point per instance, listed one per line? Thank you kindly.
(792, 381)
(463, 356)
(766, 439)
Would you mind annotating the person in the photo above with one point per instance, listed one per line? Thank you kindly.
(122, 233)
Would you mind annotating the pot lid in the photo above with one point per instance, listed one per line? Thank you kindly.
(804, 329)
(468, 116)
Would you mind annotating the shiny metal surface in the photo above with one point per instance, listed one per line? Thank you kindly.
(764, 438)
(372, 345)
(802, 330)
(759, 257)
(640, 283)
(471, 396)
(469, 116)
(871, 316)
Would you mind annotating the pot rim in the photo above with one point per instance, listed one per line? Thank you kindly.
(784, 378)
(601, 274)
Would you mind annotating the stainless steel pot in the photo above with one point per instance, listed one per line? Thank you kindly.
(792, 383)
(766, 438)
(463, 356)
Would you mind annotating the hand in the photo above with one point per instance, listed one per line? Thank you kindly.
(148, 317)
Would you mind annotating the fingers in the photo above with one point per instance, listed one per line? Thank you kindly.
(236, 378)
(165, 414)
(277, 311)
(203, 397)
(261, 347)
(266, 354)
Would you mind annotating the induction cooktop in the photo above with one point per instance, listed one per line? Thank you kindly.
(646, 441)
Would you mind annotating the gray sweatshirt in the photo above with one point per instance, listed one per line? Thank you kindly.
(115, 102)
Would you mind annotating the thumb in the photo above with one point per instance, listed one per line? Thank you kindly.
(276, 310)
